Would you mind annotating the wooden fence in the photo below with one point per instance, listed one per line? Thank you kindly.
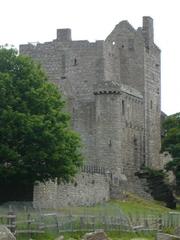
(38, 222)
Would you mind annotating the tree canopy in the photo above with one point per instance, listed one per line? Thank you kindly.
(171, 143)
(36, 142)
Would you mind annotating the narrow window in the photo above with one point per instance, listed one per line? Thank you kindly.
(75, 62)
(151, 104)
(123, 108)
(131, 44)
(63, 65)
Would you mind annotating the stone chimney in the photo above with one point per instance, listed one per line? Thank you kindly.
(148, 31)
(64, 35)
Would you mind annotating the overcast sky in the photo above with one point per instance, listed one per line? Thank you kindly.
(23, 21)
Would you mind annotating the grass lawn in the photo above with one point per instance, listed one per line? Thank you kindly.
(132, 205)
(79, 236)
(135, 204)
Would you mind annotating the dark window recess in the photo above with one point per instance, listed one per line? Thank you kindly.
(63, 64)
(151, 104)
(135, 141)
(147, 49)
(123, 108)
(93, 181)
(75, 62)
(131, 44)
(63, 77)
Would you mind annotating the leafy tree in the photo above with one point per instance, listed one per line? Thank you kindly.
(171, 143)
(36, 143)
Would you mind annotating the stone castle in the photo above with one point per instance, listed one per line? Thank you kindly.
(113, 92)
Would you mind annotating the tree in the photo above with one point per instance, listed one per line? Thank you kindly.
(161, 191)
(171, 143)
(36, 142)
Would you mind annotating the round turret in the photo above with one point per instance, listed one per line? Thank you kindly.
(108, 126)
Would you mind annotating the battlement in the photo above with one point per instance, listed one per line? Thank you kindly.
(108, 87)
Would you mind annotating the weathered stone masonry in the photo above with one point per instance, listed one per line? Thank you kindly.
(113, 92)
(87, 189)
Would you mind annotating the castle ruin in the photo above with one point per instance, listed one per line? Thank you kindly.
(113, 92)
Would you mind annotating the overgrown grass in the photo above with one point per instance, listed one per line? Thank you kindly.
(79, 236)
(132, 205)
(131, 235)
(135, 204)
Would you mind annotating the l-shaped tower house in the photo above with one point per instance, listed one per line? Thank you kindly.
(112, 88)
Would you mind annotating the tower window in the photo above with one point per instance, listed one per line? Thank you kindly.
(123, 107)
(151, 104)
(75, 62)
(131, 44)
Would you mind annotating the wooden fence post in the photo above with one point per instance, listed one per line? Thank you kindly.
(11, 220)
(29, 224)
(56, 222)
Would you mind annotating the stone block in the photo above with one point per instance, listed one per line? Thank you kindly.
(97, 235)
(5, 233)
(164, 236)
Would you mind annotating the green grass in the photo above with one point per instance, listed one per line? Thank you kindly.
(128, 236)
(132, 205)
(79, 236)
(135, 204)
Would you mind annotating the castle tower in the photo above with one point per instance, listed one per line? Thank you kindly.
(152, 95)
(108, 126)
(113, 91)
(119, 119)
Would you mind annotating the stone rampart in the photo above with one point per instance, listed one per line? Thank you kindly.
(86, 189)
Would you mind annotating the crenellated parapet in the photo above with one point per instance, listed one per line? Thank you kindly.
(108, 87)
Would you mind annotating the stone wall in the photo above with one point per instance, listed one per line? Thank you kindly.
(93, 185)
(74, 66)
(86, 189)
(164, 236)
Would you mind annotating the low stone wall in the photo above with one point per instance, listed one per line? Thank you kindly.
(86, 189)
(163, 236)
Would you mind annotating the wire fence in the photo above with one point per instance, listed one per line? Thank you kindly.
(27, 220)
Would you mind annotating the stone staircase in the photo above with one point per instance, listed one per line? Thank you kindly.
(134, 185)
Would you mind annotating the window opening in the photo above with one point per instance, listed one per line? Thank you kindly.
(123, 107)
(75, 62)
